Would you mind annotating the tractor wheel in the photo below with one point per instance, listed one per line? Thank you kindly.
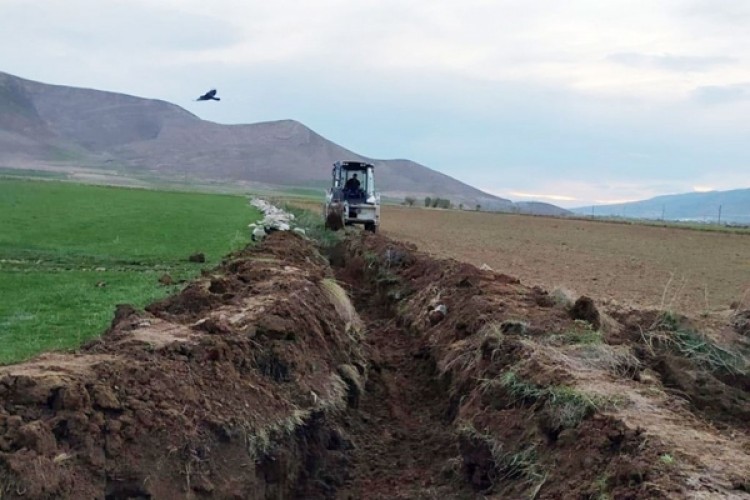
(370, 226)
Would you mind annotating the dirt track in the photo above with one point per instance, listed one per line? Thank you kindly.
(438, 380)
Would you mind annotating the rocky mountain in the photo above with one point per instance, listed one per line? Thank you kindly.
(44, 126)
(731, 206)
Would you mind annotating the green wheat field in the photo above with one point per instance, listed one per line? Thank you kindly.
(69, 253)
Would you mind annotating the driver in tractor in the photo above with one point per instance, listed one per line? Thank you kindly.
(352, 185)
(351, 188)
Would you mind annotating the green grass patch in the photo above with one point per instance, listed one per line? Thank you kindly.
(582, 333)
(69, 253)
(583, 337)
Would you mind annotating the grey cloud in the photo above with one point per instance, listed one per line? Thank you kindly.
(670, 62)
(720, 94)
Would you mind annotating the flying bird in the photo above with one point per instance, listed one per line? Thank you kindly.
(209, 96)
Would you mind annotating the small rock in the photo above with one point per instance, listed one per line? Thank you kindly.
(485, 267)
(258, 234)
(101, 284)
(437, 314)
(166, 279)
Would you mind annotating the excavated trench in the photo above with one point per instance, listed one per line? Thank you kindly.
(402, 443)
(479, 386)
(376, 372)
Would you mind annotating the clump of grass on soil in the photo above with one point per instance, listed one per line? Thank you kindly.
(522, 464)
(602, 485)
(568, 405)
(563, 297)
(581, 333)
(666, 459)
(69, 253)
(671, 334)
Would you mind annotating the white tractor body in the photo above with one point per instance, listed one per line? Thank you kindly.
(352, 198)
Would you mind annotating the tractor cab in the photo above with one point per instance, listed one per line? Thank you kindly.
(353, 194)
(354, 181)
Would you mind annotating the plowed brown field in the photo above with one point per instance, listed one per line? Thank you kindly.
(685, 270)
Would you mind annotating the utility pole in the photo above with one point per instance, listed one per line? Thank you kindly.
(719, 214)
(592, 211)
(663, 209)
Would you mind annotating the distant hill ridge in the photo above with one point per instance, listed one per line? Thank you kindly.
(43, 125)
(732, 206)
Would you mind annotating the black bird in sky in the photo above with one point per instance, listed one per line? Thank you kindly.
(209, 96)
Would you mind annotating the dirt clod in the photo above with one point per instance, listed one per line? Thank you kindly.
(585, 310)
(437, 314)
(197, 257)
(166, 280)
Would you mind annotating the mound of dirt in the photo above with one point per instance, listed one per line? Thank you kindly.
(539, 403)
(221, 391)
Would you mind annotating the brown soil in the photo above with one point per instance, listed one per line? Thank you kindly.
(403, 443)
(260, 380)
(679, 269)
(533, 411)
(220, 391)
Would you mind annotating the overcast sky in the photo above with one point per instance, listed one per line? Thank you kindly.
(574, 102)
